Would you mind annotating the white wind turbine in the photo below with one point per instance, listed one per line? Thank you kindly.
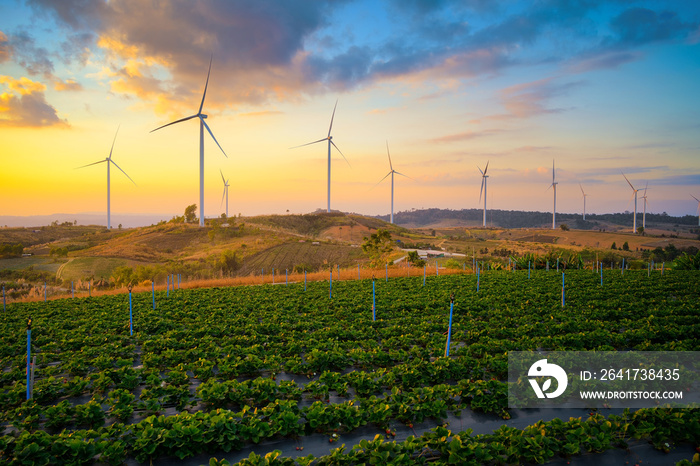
(226, 185)
(328, 138)
(392, 181)
(644, 215)
(483, 188)
(109, 160)
(202, 125)
(584, 201)
(554, 186)
(698, 207)
(635, 191)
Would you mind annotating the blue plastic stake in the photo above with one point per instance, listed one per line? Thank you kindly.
(478, 278)
(167, 286)
(330, 288)
(662, 267)
(358, 271)
(89, 288)
(374, 303)
(557, 264)
(601, 274)
(623, 267)
(179, 279)
(131, 321)
(153, 294)
(449, 327)
(437, 272)
(338, 270)
(563, 290)
(29, 357)
(547, 266)
(262, 274)
(424, 267)
(72, 291)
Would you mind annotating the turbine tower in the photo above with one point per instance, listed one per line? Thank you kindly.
(634, 223)
(483, 188)
(584, 201)
(109, 160)
(202, 125)
(698, 207)
(644, 215)
(328, 138)
(226, 185)
(391, 172)
(554, 210)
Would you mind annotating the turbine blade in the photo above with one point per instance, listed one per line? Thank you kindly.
(205, 86)
(113, 141)
(584, 194)
(480, 170)
(94, 163)
(176, 121)
(628, 181)
(336, 147)
(403, 175)
(695, 198)
(389, 155)
(120, 169)
(552, 171)
(483, 179)
(332, 116)
(309, 143)
(487, 167)
(212, 136)
(222, 197)
(385, 176)
(222, 177)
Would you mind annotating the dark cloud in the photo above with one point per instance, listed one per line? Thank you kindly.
(29, 108)
(36, 60)
(266, 49)
(638, 26)
(5, 48)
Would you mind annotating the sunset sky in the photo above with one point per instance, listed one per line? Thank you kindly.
(601, 87)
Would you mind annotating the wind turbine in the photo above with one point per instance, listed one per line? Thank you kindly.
(202, 125)
(328, 138)
(483, 188)
(698, 207)
(226, 185)
(634, 223)
(109, 160)
(584, 201)
(392, 181)
(554, 210)
(644, 215)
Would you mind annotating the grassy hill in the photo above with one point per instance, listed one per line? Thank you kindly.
(245, 246)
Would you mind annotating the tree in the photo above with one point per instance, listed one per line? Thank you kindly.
(614, 245)
(191, 213)
(625, 246)
(378, 246)
(414, 259)
(640, 231)
(564, 227)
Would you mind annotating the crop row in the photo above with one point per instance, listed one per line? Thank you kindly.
(186, 435)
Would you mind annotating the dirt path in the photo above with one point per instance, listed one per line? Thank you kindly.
(60, 269)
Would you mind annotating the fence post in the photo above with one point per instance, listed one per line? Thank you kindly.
(29, 357)
(449, 327)
(131, 320)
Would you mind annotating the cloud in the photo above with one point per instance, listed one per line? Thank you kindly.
(30, 108)
(67, 85)
(262, 114)
(638, 26)
(5, 48)
(34, 59)
(465, 136)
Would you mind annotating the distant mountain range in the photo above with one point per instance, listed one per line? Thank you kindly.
(521, 219)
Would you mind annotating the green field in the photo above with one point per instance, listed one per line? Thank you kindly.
(218, 371)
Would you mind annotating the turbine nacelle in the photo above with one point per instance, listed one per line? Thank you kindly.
(202, 116)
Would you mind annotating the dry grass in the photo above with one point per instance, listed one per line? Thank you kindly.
(345, 274)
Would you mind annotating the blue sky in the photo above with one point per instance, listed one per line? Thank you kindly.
(600, 87)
